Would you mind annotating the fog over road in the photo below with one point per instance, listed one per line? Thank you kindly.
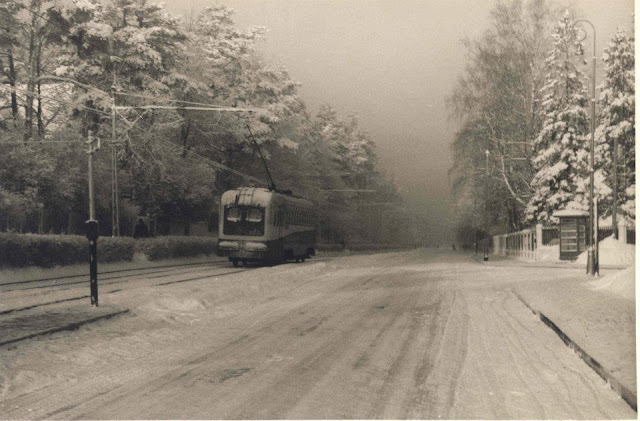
(417, 334)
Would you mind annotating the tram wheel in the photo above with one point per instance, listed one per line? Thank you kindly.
(302, 259)
(234, 262)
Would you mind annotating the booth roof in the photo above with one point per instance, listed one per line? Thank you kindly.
(570, 212)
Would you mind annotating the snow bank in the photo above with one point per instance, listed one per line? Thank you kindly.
(612, 252)
(173, 309)
(548, 254)
(621, 283)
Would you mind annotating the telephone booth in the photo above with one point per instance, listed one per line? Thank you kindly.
(573, 233)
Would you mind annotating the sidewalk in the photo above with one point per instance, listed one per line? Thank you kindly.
(595, 316)
(22, 325)
(68, 309)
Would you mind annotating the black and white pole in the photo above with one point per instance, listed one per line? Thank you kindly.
(92, 224)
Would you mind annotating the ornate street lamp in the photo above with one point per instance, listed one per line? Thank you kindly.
(592, 257)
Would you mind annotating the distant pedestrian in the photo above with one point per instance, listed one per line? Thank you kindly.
(140, 230)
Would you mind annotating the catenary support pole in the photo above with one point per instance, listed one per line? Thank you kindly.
(115, 208)
(614, 205)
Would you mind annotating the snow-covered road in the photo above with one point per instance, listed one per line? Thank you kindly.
(420, 334)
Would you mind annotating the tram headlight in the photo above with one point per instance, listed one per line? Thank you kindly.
(228, 245)
(255, 246)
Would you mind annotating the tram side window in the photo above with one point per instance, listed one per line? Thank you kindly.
(279, 217)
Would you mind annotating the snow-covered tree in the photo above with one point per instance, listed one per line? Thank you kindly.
(561, 146)
(58, 62)
(136, 41)
(10, 41)
(351, 149)
(225, 63)
(235, 74)
(617, 121)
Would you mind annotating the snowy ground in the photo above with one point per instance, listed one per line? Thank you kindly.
(622, 283)
(419, 334)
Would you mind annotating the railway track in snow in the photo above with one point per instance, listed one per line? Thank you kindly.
(157, 276)
(120, 275)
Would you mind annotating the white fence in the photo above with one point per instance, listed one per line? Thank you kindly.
(523, 244)
(516, 244)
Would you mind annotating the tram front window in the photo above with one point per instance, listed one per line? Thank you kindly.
(244, 220)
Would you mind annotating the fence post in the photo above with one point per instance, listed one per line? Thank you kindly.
(622, 232)
(519, 242)
(539, 238)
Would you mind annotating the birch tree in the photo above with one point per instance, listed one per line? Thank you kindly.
(499, 97)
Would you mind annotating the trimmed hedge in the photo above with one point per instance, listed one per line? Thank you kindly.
(21, 250)
(173, 246)
(114, 249)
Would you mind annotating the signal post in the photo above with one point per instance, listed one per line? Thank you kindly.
(92, 224)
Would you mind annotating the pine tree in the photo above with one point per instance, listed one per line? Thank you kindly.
(560, 149)
(617, 122)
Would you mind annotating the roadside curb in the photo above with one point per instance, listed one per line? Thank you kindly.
(515, 262)
(625, 393)
(70, 326)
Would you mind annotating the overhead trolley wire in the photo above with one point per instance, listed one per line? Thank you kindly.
(212, 162)
(42, 142)
(172, 107)
(62, 101)
(204, 104)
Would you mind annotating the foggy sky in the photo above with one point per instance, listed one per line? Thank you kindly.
(391, 63)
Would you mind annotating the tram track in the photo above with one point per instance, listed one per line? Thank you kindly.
(142, 272)
(164, 270)
(82, 297)
(164, 267)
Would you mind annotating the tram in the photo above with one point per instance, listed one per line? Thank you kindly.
(258, 224)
